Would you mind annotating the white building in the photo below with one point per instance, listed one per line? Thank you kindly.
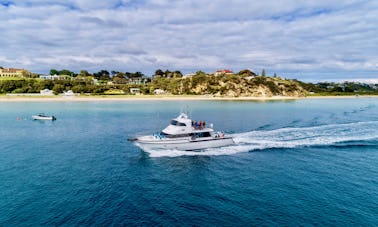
(159, 92)
(46, 92)
(68, 93)
(52, 77)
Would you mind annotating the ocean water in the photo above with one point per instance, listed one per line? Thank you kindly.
(304, 162)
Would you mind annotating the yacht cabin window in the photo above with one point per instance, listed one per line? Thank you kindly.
(174, 122)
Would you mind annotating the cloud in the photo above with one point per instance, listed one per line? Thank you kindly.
(306, 39)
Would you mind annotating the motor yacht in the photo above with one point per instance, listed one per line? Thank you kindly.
(184, 134)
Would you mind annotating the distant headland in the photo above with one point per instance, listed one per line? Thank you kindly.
(221, 84)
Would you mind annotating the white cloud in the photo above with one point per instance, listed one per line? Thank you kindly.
(304, 38)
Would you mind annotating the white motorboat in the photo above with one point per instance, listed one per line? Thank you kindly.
(43, 117)
(184, 134)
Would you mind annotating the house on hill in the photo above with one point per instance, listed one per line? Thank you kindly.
(223, 72)
(54, 77)
(139, 81)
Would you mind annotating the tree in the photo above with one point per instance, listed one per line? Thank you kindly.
(128, 75)
(58, 88)
(159, 72)
(102, 75)
(177, 74)
(119, 78)
(48, 84)
(8, 85)
(66, 72)
(168, 74)
(84, 73)
(54, 72)
(138, 75)
(263, 73)
(26, 73)
(113, 73)
(200, 73)
(120, 75)
(246, 73)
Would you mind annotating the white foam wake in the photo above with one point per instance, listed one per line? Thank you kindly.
(287, 138)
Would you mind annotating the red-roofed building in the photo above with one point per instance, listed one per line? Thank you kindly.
(223, 72)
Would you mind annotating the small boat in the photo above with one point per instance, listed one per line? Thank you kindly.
(43, 117)
(184, 134)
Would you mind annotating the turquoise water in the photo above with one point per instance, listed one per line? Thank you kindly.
(304, 162)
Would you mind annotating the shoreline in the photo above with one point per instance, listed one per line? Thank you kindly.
(341, 96)
(135, 98)
(162, 98)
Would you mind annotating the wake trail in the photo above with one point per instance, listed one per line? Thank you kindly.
(323, 135)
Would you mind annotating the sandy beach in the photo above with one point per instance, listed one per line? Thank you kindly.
(96, 98)
(341, 96)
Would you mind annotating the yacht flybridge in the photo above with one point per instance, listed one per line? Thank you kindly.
(184, 134)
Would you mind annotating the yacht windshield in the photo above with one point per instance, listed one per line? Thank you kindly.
(174, 122)
(174, 136)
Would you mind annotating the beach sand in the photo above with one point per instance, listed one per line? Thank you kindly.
(96, 98)
(131, 98)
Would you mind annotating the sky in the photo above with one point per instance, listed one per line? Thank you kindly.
(311, 40)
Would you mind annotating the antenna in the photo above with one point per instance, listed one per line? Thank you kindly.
(186, 110)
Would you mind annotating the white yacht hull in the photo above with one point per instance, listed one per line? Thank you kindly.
(184, 144)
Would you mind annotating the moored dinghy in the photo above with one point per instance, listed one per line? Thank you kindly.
(184, 134)
(43, 117)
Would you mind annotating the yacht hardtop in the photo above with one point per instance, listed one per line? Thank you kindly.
(182, 126)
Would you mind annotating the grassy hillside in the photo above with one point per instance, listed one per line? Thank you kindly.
(230, 85)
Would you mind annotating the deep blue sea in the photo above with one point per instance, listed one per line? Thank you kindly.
(304, 162)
